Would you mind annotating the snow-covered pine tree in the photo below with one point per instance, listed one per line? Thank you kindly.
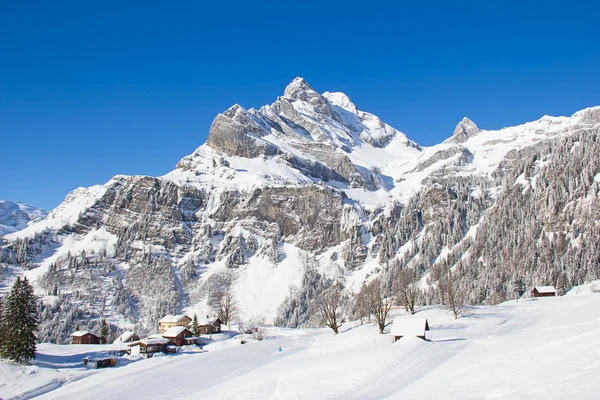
(19, 323)
(103, 331)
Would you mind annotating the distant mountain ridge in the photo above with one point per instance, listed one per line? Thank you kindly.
(15, 216)
(282, 201)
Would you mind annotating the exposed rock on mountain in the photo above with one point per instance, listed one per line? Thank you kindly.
(465, 130)
(285, 200)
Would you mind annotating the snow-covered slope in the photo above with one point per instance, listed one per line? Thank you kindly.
(283, 200)
(15, 216)
(533, 348)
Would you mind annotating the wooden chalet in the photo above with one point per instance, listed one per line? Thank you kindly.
(543, 291)
(414, 326)
(169, 321)
(84, 337)
(179, 336)
(208, 326)
(149, 346)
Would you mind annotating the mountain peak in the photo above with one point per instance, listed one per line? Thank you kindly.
(232, 111)
(341, 100)
(299, 89)
(465, 130)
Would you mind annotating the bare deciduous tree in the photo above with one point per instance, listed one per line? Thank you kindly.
(451, 294)
(260, 333)
(407, 289)
(328, 307)
(359, 309)
(376, 301)
(227, 308)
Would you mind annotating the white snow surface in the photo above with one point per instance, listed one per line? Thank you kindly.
(533, 348)
(124, 338)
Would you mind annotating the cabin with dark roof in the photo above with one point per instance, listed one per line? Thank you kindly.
(84, 337)
(178, 335)
(543, 291)
(149, 346)
(208, 326)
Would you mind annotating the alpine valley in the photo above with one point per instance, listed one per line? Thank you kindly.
(283, 201)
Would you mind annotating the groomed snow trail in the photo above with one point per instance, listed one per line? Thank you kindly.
(537, 348)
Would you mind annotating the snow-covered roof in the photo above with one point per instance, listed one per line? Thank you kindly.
(125, 337)
(80, 333)
(174, 331)
(208, 321)
(172, 318)
(414, 326)
(149, 341)
(545, 289)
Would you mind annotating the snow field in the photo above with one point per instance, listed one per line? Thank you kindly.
(532, 348)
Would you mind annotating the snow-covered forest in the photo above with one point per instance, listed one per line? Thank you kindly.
(283, 202)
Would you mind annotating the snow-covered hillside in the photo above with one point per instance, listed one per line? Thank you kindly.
(285, 200)
(533, 348)
(15, 216)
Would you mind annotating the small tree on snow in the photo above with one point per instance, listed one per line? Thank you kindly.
(375, 300)
(328, 307)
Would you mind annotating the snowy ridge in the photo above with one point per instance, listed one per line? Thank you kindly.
(15, 216)
(397, 165)
(67, 212)
(302, 192)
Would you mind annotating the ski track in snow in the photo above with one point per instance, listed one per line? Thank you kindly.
(544, 348)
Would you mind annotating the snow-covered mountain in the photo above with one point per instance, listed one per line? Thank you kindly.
(15, 216)
(282, 201)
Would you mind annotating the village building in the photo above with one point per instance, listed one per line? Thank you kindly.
(100, 362)
(414, 326)
(169, 321)
(84, 337)
(208, 326)
(180, 335)
(543, 291)
(149, 346)
(127, 337)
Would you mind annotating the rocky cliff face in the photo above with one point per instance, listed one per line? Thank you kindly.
(282, 201)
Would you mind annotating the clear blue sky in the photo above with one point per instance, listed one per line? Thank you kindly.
(93, 89)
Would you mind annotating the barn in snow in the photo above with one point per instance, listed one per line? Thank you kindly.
(543, 291)
(84, 337)
(180, 335)
(414, 326)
